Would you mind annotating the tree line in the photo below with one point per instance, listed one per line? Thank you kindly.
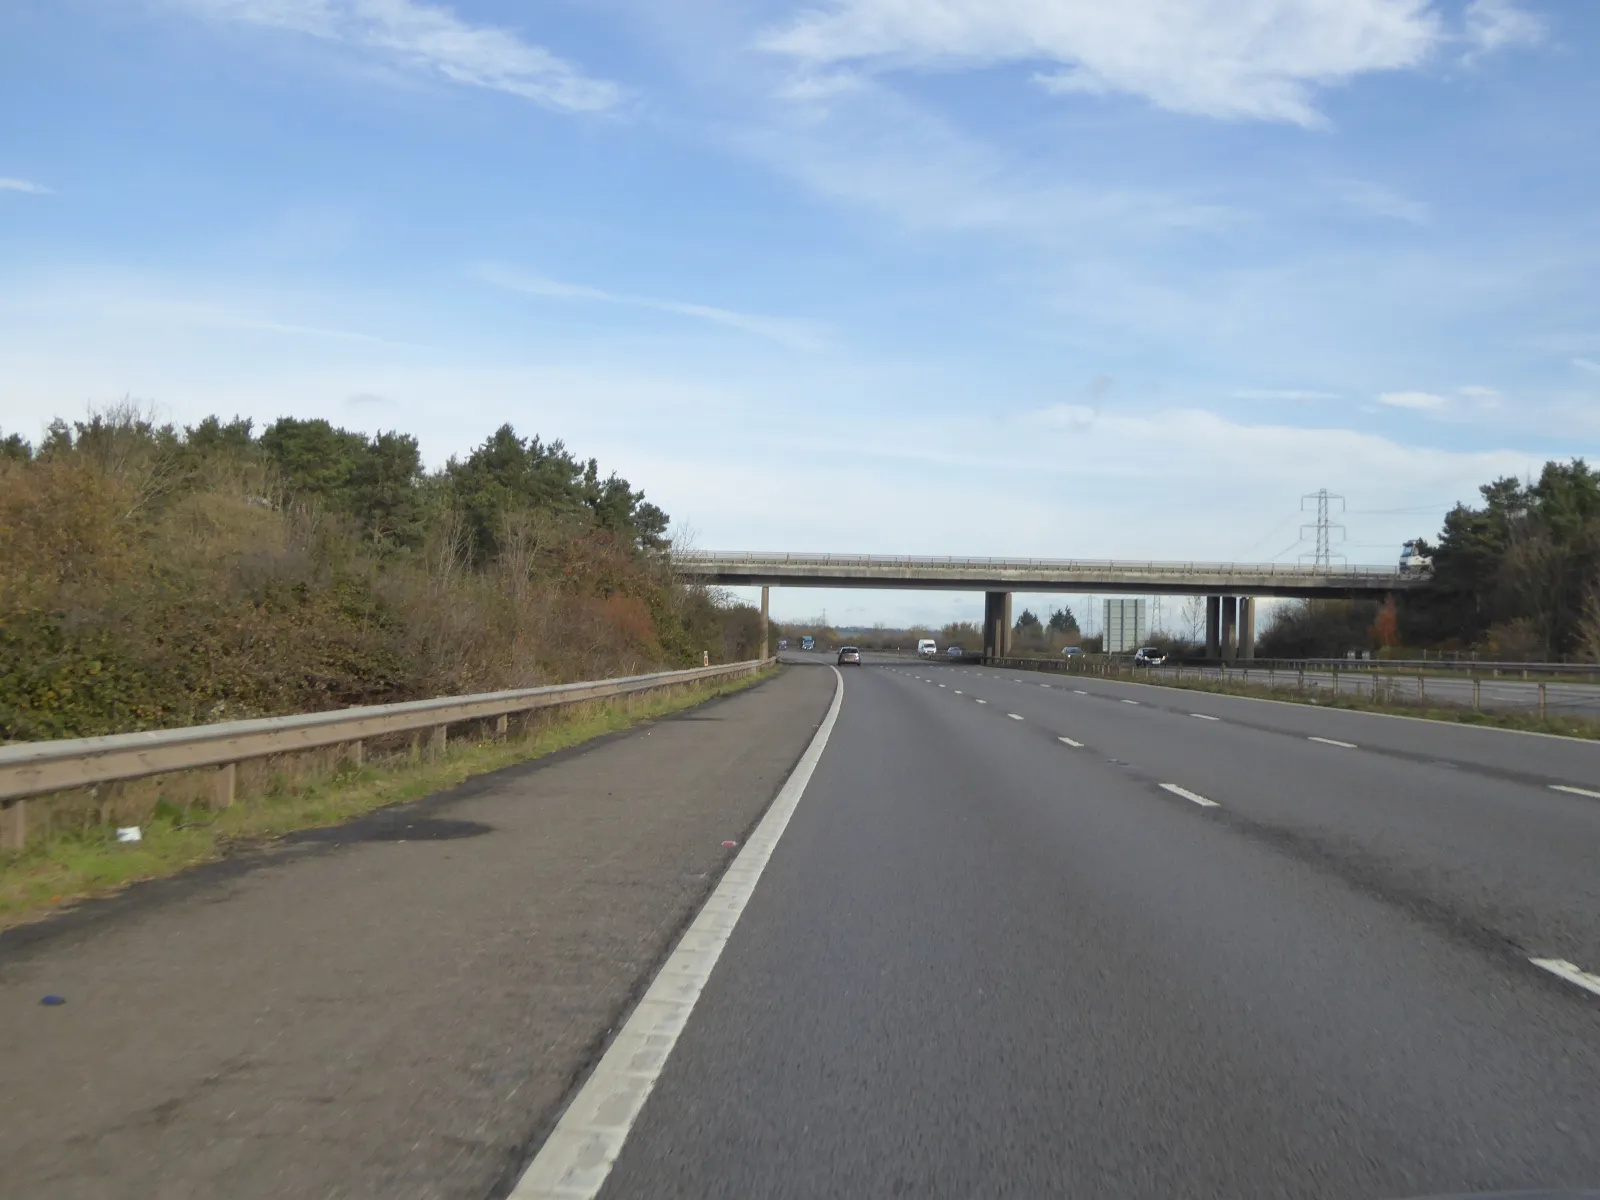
(1514, 577)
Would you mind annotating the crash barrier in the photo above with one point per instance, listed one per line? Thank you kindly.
(37, 768)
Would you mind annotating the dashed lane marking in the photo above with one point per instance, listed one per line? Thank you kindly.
(1570, 972)
(1130, 702)
(1332, 742)
(1188, 795)
(983, 702)
(1204, 717)
(1068, 741)
(1014, 716)
(1079, 692)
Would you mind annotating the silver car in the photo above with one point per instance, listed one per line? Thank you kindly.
(849, 654)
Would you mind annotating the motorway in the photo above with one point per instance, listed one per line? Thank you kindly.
(1034, 937)
(1000, 934)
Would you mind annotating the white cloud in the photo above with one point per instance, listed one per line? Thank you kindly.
(1500, 25)
(1259, 59)
(799, 334)
(24, 185)
(1414, 400)
(432, 38)
(870, 146)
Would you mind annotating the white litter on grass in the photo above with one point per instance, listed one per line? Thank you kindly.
(129, 833)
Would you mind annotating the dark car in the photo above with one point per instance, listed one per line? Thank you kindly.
(955, 652)
(849, 654)
(1149, 656)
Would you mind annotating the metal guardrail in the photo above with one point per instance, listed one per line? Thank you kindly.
(36, 768)
(1290, 571)
(1434, 666)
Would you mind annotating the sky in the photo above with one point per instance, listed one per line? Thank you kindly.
(1043, 278)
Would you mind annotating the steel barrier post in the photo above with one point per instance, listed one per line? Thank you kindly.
(1541, 701)
(223, 785)
(14, 825)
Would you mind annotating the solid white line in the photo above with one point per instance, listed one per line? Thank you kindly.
(1203, 717)
(1130, 702)
(1014, 716)
(1070, 742)
(1576, 791)
(1569, 972)
(1331, 742)
(1188, 795)
(578, 1155)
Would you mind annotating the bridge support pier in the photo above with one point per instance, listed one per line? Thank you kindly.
(996, 624)
(1213, 626)
(766, 634)
(1230, 628)
(1247, 627)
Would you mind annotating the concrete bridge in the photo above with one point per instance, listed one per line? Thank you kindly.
(1230, 589)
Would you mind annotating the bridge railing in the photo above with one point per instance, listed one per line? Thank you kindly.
(35, 768)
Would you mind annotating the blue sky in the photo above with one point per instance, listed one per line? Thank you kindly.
(1037, 277)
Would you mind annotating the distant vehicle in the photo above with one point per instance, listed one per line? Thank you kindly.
(849, 654)
(1149, 656)
(955, 652)
(927, 648)
(783, 643)
(1413, 561)
(808, 642)
(1071, 651)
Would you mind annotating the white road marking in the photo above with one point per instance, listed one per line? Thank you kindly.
(1576, 791)
(1570, 972)
(1014, 716)
(983, 702)
(578, 1155)
(1070, 742)
(1044, 685)
(1203, 717)
(1130, 702)
(1188, 795)
(958, 691)
(1331, 742)
(941, 685)
(1078, 692)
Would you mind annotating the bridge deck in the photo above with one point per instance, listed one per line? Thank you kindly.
(1042, 575)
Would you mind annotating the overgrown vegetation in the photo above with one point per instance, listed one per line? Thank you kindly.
(154, 576)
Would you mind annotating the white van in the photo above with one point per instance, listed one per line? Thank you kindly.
(926, 648)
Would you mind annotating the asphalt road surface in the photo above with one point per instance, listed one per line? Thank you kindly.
(1030, 937)
(1020, 936)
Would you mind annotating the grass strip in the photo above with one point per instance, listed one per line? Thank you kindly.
(60, 869)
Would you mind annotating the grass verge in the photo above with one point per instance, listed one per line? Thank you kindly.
(1578, 727)
(60, 869)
